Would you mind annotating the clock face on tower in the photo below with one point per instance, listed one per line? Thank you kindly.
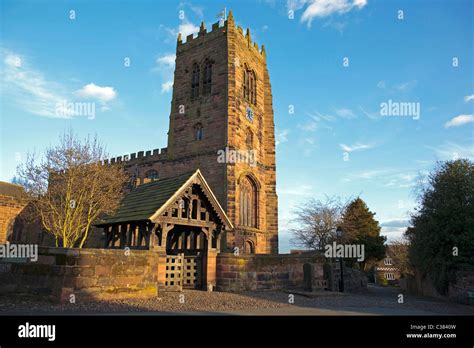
(249, 113)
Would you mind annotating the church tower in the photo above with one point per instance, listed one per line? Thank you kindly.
(221, 122)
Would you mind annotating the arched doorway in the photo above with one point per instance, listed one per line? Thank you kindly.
(249, 247)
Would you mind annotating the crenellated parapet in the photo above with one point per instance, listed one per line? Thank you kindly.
(150, 155)
(218, 28)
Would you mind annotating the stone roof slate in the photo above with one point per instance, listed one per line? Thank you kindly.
(143, 201)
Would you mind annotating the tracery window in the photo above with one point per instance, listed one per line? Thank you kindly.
(195, 81)
(248, 203)
(250, 86)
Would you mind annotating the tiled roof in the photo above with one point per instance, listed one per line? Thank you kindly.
(142, 202)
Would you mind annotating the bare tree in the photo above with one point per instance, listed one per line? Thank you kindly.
(399, 255)
(317, 222)
(70, 187)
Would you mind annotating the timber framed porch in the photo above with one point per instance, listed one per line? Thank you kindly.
(178, 217)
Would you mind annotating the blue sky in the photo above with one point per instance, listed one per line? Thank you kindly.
(336, 142)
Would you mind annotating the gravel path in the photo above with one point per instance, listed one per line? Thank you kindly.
(186, 301)
(375, 301)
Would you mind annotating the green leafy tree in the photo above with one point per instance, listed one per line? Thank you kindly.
(360, 227)
(442, 232)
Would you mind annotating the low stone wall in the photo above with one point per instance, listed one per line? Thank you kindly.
(264, 272)
(85, 273)
(354, 280)
(460, 290)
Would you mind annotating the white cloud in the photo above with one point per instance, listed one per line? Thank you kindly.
(371, 115)
(393, 233)
(168, 59)
(356, 147)
(185, 28)
(281, 136)
(295, 5)
(103, 94)
(366, 175)
(345, 113)
(309, 126)
(32, 91)
(167, 86)
(459, 121)
(469, 97)
(165, 66)
(450, 151)
(324, 8)
(317, 116)
(402, 180)
(400, 222)
(387, 177)
(29, 88)
(406, 86)
(198, 11)
(381, 84)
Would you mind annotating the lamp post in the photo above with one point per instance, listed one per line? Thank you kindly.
(339, 238)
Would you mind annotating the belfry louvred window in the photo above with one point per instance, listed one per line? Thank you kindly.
(250, 86)
(195, 81)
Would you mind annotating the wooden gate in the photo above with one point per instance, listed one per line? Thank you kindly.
(174, 272)
(192, 272)
(183, 271)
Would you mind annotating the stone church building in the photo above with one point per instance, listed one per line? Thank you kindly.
(221, 102)
(210, 192)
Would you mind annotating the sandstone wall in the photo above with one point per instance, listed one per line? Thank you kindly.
(85, 273)
(10, 207)
(264, 272)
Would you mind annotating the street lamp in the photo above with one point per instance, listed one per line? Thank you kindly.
(339, 238)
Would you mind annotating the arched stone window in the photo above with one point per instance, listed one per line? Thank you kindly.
(249, 140)
(198, 131)
(151, 174)
(195, 81)
(250, 85)
(207, 78)
(248, 203)
(246, 86)
(253, 88)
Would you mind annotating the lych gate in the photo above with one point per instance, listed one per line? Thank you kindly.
(179, 216)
